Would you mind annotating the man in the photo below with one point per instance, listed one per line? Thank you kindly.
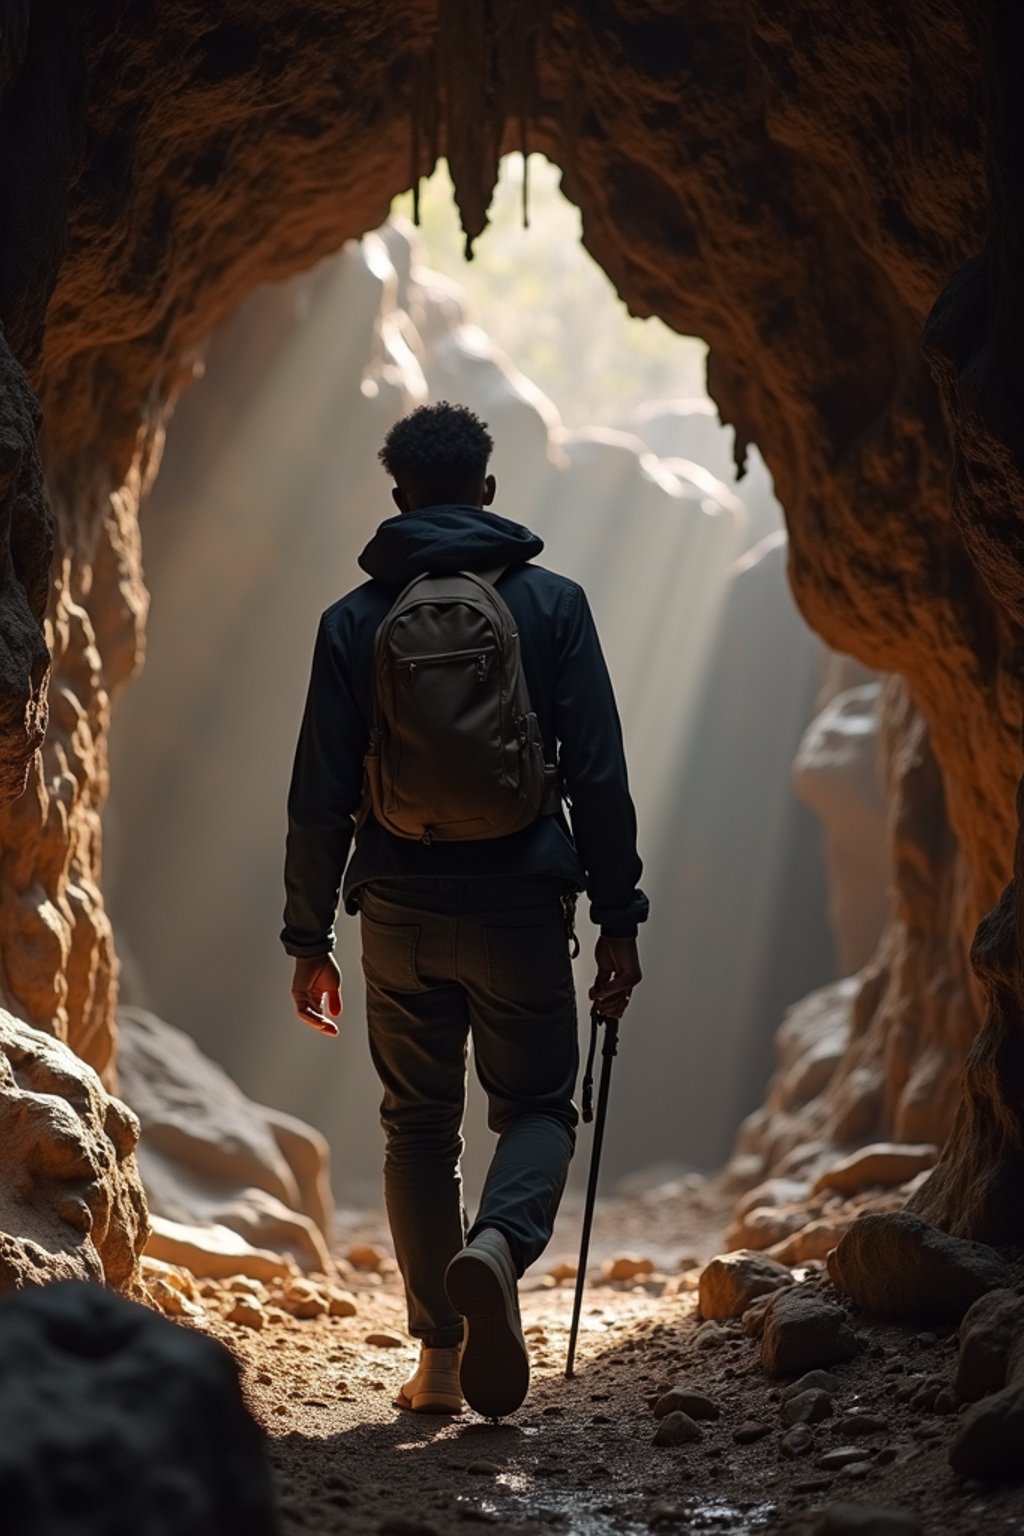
(464, 938)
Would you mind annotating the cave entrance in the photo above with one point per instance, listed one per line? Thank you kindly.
(608, 444)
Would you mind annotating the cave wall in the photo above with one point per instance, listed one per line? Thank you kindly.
(793, 181)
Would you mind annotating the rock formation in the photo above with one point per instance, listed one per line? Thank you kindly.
(112, 1418)
(837, 773)
(71, 1203)
(211, 1159)
(736, 178)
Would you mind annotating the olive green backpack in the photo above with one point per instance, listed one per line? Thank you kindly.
(456, 751)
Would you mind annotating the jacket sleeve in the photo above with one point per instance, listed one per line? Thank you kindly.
(326, 790)
(593, 767)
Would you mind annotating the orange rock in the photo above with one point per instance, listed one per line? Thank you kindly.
(248, 1311)
(627, 1266)
(368, 1257)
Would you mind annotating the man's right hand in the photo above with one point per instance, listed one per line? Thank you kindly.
(618, 972)
(316, 981)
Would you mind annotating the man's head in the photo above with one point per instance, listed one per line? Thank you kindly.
(438, 454)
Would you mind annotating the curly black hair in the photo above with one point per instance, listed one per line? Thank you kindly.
(440, 451)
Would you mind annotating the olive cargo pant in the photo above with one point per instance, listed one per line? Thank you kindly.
(446, 960)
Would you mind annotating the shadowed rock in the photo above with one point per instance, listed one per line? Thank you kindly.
(896, 1265)
(805, 1332)
(992, 1329)
(112, 1418)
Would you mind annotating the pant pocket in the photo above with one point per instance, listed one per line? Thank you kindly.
(528, 963)
(389, 954)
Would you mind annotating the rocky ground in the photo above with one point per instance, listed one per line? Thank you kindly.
(732, 1449)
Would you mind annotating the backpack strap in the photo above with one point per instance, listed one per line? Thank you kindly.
(492, 577)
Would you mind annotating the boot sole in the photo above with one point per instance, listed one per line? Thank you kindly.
(495, 1369)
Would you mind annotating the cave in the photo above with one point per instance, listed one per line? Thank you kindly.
(827, 198)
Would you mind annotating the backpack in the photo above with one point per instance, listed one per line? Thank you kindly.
(456, 751)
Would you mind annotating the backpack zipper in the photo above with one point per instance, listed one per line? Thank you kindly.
(482, 658)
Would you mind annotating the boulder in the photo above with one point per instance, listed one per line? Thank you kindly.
(733, 1280)
(988, 1335)
(882, 1165)
(803, 1332)
(113, 1418)
(210, 1158)
(896, 1265)
(71, 1200)
(990, 1438)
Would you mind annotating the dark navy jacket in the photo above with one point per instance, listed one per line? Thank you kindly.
(570, 691)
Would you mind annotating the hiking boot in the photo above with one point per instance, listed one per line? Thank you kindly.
(481, 1284)
(435, 1386)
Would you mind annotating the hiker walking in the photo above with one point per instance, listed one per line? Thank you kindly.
(455, 697)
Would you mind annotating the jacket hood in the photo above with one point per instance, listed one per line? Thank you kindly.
(441, 540)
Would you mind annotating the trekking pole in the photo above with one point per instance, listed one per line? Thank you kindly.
(608, 1051)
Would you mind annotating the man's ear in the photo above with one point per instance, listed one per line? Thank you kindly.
(490, 486)
(399, 498)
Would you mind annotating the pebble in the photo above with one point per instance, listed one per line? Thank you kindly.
(676, 1429)
(367, 1257)
(303, 1299)
(842, 1456)
(247, 1311)
(245, 1285)
(563, 1269)
(626, 1266)
(341, 1303)
(797, 1441)
(861, 1424)
(811, 1381)
(686, 1400)
(809, 1407)
(485, 1468)
(709, 1336)
(750, 1431)
(384, 1340)
(171, 1301)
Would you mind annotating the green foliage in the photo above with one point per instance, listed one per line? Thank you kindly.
(544, 300)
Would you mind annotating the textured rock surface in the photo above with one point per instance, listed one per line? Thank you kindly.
(209, 1156)
(990, 1333)
(736, 179)
(837, 772)
(733, 1280)
(896, 1265)
(804, 1331)
(71, 1203)
(990, 1437)
(112, 1418)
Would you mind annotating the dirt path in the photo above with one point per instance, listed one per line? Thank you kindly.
(578, 1458)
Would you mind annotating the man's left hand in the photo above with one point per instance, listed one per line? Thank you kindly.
(316, 991)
